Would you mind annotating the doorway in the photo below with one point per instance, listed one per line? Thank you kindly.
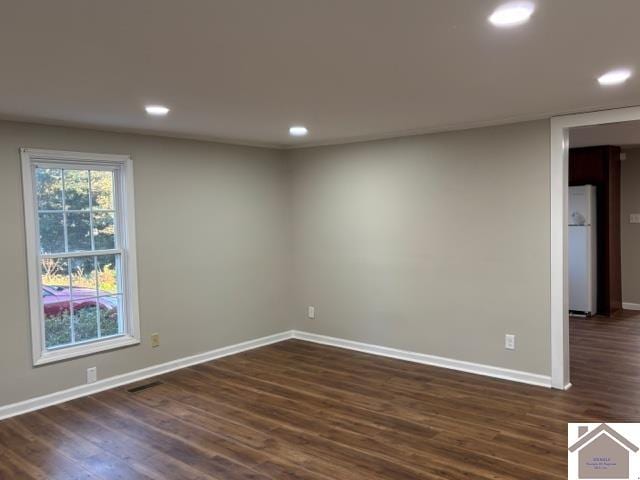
(560, 145)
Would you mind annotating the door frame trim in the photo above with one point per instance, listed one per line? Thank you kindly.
(559, 170)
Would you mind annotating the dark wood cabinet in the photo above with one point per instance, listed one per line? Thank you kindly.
(600, 166)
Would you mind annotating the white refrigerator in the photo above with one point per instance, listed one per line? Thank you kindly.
(583, 258)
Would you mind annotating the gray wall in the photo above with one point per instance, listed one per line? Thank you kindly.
(213, 251)
(630, 202)
(437, 244)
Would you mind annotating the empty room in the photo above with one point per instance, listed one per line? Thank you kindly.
(319, 239)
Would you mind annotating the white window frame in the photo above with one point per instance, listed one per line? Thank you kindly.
(125, 226)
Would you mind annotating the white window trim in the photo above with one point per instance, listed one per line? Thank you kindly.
(125, 202)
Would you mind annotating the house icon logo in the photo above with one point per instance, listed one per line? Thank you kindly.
(602, 452)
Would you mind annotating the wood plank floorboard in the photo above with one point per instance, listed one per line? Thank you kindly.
(297, 410)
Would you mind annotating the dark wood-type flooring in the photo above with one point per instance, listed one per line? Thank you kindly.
(298, 410)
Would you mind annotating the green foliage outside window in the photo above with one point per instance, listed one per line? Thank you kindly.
(79, 210)
(77, 214)
(58, 327)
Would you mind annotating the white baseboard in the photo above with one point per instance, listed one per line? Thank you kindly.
(630, 306)
(469, 367)
(36, 403)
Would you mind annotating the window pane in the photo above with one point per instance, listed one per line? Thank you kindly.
(83, 277)
(51, 232)
(49, 188)
(76, 189)
(110, 317)
(108, 273)
(57, 326)
(85, 319)
(79, 231)
(104, 231)
(55, 275)
(102, 190)
(55, 301)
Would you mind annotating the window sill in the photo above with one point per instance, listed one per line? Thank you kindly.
(50, 356)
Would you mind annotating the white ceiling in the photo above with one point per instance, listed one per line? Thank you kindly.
(245, 70)
(623, 134)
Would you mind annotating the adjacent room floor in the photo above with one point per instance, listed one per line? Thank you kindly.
(298, 410)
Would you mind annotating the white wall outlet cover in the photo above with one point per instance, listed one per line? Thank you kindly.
(92, 374)
(311, 312)
(510, 342)
(634, 218)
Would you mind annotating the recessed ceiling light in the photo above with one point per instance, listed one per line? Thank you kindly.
(158, 110)
(615, 77)
(512, 14)
(298, 131)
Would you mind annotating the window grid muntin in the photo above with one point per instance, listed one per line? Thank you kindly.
(77, 211)
(65, 232)
(96, 273)
(91, 235)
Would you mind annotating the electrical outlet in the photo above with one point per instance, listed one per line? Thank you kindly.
(510, 342)
(634, 218)
(155, 340)
(311, 312)
(92, 374)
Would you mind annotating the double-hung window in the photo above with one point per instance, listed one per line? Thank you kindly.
(81, 253)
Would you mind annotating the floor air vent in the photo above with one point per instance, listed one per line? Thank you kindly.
(144, 387)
